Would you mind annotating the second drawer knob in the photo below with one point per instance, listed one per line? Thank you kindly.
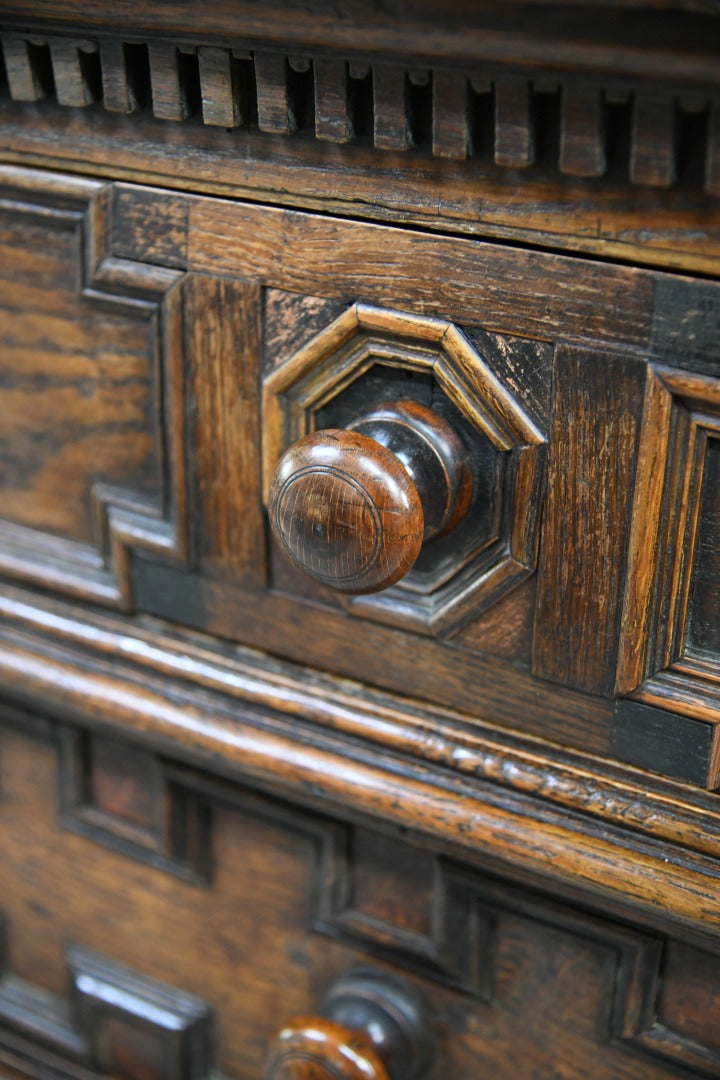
(371, 1026)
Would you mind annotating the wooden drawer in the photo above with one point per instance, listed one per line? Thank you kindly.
(249, 908)
(149, 397)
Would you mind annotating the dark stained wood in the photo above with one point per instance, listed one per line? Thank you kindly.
(641, 570)
(222, 331)
(655, 738)
(346, 511)
(433, 454)
(678, 40)
(703, 629)
(333, 121)
(113, 351)
(506, 629)
(155, 230)
(351, 508)
(450, 118)
(117, 89)
(22, 74)
(73, 83)
(652, 155)
(498, 832)
(593, 445)
(437, 736)
(712, 162)
(221, 105)
(118, 94)
(169, 101)
(273, 104)
(669, 649)
(393, 883)
(135, 1026)
(519, 292)
(582, 134)
(567, 960)
(391, 129)
(650, 227)
(373, 1026)
(685, 1005)
(514, 144)
(313, 1048)
(77, 383)
(123, 782)
(223, 786)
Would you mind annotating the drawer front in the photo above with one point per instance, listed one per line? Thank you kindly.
(164, 924)
(161, 351)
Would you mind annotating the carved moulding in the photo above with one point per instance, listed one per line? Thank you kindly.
(456, 933)
(457, 580)
(108, 288)
(670, 640)
(482, 112)
(116, 1021)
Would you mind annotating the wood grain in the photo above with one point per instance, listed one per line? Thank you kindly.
(333, 120)
(312, 1048)
(346, 511)
(651, 227)
(520, 292)
(593, 445)
(77, 383)
(74, 85)
(22, 75)
(438, 736)
(391, 130)
(117, 90)
(652, 156)
(507, 833)
(273, 103)
(255, 787)
(221, 105)
(514, 145)
(222, 332)
(169, 101)
(678, 40)
(450, 117)
(255, 915)
(582, 142)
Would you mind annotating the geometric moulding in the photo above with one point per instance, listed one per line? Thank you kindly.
(115, 1021)
(91, 412)
(670, 644)
(369, 355)
(136, 1027)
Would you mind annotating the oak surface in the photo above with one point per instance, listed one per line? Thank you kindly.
(346, 511)
(224, 784)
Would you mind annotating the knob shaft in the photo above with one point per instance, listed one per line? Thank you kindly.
(351, 508)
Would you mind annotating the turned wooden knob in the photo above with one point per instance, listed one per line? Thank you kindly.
(351, 508)
(313, 1048)
(372, 1026)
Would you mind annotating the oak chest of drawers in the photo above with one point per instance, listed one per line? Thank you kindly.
(360, 540)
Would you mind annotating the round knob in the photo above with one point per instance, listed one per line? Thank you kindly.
(372, 1026)
(313, 1048)
(351, 508)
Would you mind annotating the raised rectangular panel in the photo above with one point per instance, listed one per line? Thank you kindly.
(669, 656)
(90, 385)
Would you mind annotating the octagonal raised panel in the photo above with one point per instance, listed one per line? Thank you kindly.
(459, 576)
